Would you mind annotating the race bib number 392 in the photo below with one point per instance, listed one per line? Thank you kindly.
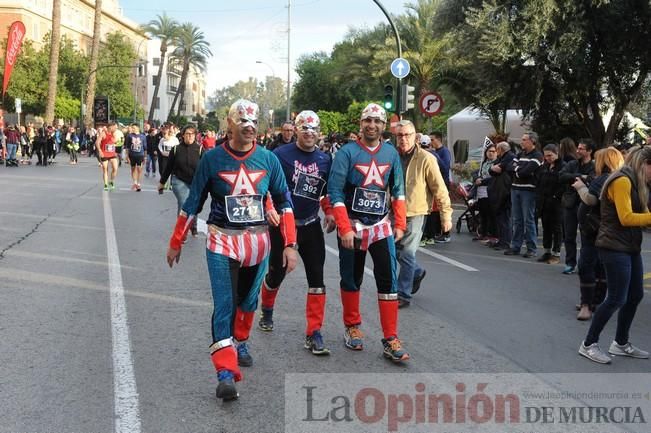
(309, 186)
(369, 201)
(244, 208)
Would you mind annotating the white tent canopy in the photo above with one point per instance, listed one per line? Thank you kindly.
(468, 127)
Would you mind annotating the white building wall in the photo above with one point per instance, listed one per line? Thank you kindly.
(170, 80)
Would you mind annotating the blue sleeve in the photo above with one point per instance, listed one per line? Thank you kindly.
(397, 180)
(337, 179)
(201, 179)
(280, 194)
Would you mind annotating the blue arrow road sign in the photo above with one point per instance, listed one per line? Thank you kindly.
(400, 68)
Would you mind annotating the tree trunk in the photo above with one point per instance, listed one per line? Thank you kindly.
(184, 74)
(184, 79)
(92, 68)
(152, 106)
(55, 44)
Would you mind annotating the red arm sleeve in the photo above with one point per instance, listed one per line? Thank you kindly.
(341, 218)
(288, 227)
(183, 224)
(325, 205)
(399, 213)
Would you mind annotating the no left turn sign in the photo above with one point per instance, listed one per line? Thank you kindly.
(430, 103)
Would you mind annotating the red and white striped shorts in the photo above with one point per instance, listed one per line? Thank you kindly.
(249, 247)
(374, 233)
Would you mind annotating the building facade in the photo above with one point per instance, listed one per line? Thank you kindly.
(194, 100)
(77, 22)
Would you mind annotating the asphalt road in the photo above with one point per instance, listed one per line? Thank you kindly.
(62, 368)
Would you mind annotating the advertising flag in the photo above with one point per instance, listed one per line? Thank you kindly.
(14, 41)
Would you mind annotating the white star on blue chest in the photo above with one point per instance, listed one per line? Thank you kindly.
(373, 173)
(243, 181)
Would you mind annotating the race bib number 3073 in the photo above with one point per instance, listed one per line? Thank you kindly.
(369, 201)
(244, 208)
(309, 186)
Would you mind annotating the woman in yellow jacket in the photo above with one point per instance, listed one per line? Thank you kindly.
(624, 211)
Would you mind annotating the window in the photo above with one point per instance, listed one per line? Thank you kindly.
(154, 80)
(157, 103)
(156, 61)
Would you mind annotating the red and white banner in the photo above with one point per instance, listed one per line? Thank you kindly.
(14, 41)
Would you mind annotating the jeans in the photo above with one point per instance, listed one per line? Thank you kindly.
(11, 151)
(624, 275)
(523, 210)
(406, 250)
(181, 191)
(151, 164)
(591, 273)
(570, 225)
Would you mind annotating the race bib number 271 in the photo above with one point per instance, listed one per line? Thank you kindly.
(246, 208)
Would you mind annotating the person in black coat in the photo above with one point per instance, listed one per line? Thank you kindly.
(549, 206)
(499, 195)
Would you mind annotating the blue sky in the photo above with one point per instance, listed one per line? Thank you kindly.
(242, 32)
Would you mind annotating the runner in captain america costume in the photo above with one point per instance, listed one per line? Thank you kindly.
(306, 171)
(364, 175)
(237, 175)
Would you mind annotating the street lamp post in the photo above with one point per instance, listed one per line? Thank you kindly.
(398, 44)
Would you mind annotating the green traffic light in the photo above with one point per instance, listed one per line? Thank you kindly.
(388, 105)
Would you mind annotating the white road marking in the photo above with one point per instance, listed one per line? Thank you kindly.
(448, 260)
(127, 412)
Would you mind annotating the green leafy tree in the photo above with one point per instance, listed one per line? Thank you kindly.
(317, 84)
(565, 62)
(116, 82)
(67, 108)
(331, 121)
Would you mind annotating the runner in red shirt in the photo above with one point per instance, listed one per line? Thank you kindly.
(105, 145)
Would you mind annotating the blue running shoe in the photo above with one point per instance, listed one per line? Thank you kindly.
(244, 358)
(314, 343)
(226, 388)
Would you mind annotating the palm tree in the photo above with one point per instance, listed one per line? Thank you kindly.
(192, 50)
(166, 30)
(92, 68)
(55, 44)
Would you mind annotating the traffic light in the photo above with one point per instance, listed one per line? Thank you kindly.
(388, 98)
(407, 97)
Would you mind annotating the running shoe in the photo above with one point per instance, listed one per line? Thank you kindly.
(627, 350)
(111, 186)
(244, 358)
(594, 353)
(266, 322)
(353, 338)
(226, 389)
(314, 343)
(106, 187)
(393, 350)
